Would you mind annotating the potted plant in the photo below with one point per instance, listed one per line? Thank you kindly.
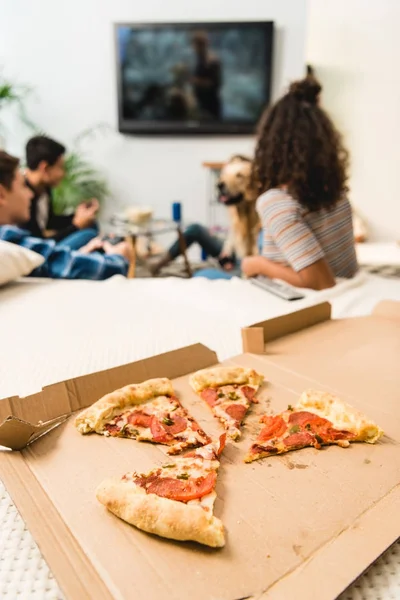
(81, 182)
(13, 95)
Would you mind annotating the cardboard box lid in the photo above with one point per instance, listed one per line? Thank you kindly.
(23, 420)
(255, 337)
(302, 525)
(354, 357)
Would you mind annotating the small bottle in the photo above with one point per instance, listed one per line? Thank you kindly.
(177, 212)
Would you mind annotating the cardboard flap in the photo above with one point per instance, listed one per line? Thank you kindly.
(257, 335)
(26, 419)
(83, 391)
(16, 434)
(389, 309)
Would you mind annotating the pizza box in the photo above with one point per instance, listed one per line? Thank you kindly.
(302, 525)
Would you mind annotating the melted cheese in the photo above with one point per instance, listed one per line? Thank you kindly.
(342, 415)
(194, 467)
(237, 397)
(159, 407)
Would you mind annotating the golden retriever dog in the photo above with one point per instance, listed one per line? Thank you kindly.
(235, 192)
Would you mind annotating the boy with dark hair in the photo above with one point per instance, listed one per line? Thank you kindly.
(60, 261)
(45, 170)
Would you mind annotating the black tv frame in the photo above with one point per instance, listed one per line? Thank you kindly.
(190, 127)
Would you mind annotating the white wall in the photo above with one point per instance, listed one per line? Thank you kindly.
(355, 48)
(65, 51)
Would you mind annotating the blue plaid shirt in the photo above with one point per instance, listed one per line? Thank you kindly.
(63, 263)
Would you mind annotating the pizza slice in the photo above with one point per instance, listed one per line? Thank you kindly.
(173, 501)
(228, 391)
(318, 419)
(148, 412)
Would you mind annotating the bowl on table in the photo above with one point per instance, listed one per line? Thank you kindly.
(139, 215)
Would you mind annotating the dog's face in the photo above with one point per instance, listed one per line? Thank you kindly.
(234, 182)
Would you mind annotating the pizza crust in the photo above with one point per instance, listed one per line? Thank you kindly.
(219, 376)
(161, 516)
(342, 415)
(94, 417)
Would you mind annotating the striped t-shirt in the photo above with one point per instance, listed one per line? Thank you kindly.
(298, 238)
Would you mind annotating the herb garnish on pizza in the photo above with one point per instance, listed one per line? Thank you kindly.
(318, 419)
(174, 501)
(147, 411)
(229, 391)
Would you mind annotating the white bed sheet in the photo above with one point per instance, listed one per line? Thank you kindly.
(53, 330)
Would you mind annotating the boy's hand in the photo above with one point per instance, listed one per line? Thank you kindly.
(123, 249)
(92, 246)
(85, 214)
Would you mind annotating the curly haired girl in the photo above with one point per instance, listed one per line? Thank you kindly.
(300, 171)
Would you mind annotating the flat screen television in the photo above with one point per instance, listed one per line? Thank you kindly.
(193, 78)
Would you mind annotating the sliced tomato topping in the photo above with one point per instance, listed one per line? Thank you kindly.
(196, 427)
(257, 449)
(180, 489)
(275, 426)
(112, 428)
(178, 424)
(145, 480)
(306, 419)
(222, 444)
(236, 411)
(249, 393)
(163, 430)
(191, 454)
(139, 418)
(158, 432)
(299, 440)
(332, 435)
(319, 426)
(210, 395)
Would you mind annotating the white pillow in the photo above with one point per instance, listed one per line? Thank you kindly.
(16, 261)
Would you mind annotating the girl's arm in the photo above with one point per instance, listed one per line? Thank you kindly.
(282, 220)
(317, 276)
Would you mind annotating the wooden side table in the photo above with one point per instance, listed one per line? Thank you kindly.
(149, 230)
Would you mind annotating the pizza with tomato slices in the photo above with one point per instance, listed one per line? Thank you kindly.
(148, 412)
(229, 391)
(318, 419)
(173, 501)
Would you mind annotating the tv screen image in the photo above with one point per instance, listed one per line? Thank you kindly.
(206, 78)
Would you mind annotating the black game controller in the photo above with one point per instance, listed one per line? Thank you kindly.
(111, 239)
(226, 260)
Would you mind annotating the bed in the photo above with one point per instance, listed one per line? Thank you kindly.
(53, 330)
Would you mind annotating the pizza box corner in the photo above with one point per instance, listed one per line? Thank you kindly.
(305, 524)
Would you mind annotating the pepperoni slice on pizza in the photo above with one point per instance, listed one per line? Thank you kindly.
(173, 501)
(318, 419)
(149, 412)
(229, 392)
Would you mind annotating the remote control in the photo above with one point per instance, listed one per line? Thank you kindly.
(278, 288)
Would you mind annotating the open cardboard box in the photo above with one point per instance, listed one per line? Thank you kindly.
(302, 525)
